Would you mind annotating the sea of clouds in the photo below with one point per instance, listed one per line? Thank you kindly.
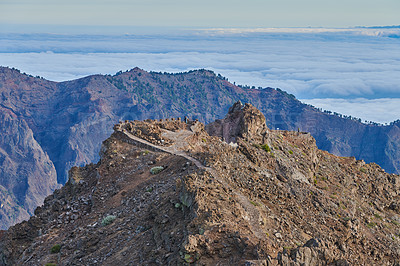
(351, 71)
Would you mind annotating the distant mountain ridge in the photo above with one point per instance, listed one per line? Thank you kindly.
(69, 120)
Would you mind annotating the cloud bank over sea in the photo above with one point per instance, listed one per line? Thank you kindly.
(346, 69)
(384, 110)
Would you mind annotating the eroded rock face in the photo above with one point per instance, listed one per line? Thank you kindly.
(23, 186)
(244, 121)
(69, 120)
(267, 200)
(313, 253)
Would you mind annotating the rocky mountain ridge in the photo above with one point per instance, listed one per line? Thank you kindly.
(167, 192)
(59, 125)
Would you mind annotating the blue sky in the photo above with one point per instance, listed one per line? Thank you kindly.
(205, 13)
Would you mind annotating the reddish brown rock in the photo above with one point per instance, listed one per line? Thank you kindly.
(213, 203)
(69, 120)
(244, 121)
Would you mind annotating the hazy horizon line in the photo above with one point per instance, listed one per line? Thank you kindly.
(121, 29)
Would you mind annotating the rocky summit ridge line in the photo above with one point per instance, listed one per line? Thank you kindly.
(48, 127)
(175, 192)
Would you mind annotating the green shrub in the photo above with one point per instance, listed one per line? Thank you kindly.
(266, 148)
(291, 152)
(254, 203)
(201, 231)
(56, 248)
(371, 225)
(189, 258)
(288, 248)
(108, 220)
(50, 264)
(156, 169)
(363, 170)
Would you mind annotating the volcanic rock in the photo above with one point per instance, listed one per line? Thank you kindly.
(275, 200)
(64, 123)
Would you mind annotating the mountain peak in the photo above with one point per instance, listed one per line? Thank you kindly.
(68, 120)
(166, 192)
(243, 121)
(137, 69)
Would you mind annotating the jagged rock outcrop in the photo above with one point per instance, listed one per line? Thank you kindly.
(275, 200)
(314, 252)
(69, 120)
(241, 121)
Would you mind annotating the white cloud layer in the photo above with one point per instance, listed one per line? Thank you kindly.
(312, 65)
(383, 110)
(373, 31)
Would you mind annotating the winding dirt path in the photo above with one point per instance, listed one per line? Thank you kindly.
(177, 148)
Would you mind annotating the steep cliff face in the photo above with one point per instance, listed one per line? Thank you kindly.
(168, 193)
(70, 119)
(28, 175)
